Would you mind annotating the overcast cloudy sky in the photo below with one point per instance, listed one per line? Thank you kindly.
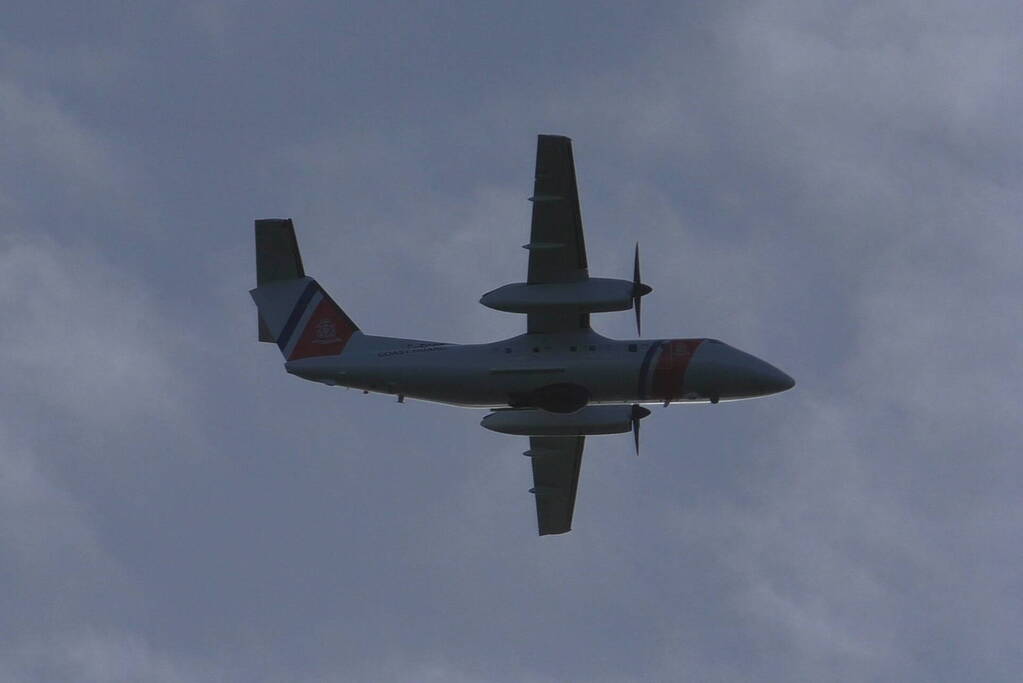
(832, 186)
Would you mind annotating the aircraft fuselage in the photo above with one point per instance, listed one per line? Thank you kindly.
(557, 372)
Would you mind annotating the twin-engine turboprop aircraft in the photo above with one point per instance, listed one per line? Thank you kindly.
(556, 384)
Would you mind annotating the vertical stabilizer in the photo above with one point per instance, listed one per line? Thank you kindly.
(294, 311)
(277, 255)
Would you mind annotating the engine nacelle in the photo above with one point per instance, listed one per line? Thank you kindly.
(589, 420)
(593, 295)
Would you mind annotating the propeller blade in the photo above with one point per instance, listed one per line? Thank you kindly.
(638, 413)
(635, 269)
(639, 290)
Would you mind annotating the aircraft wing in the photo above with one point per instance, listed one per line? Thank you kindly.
(556, 462)
(557, 252)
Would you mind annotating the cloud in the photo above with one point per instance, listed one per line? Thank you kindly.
(91, 386)
(215, 18)
(90, 656)
(84, 338)
(44, 138)
(45, 532)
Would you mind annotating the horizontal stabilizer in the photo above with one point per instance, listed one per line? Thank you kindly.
(265, 335)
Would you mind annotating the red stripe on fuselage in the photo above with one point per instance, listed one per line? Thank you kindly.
(670, 370)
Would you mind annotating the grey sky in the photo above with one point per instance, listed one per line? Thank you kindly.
(832, 186)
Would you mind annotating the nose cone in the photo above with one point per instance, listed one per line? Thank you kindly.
(747, 376)
(771, 380)
(724, 372)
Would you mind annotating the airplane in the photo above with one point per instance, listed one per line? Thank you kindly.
(557, 384)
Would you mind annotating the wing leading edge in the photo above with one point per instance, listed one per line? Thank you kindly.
(556, 463)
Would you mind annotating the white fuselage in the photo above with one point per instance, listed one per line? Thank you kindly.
(560, 372)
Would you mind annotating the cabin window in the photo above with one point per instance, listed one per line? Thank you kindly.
(571, 348)
(632, 347)
(536, 349)
(507, 349)
(592, 347)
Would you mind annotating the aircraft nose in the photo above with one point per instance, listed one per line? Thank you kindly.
(771, 380)
(759, 377)
(728, 373)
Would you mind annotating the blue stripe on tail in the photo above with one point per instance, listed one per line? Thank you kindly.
(296, 315)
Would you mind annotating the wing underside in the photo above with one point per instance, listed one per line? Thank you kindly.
(556, 463)
(557, 250)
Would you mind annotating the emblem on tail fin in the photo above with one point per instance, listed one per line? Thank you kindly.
(322, 328)
(325, 332)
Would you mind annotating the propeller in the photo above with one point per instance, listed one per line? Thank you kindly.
(639, 290)
(638, 413)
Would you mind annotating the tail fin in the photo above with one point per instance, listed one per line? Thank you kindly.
(294, 311)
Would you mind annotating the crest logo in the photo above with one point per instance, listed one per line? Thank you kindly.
(325, 332)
